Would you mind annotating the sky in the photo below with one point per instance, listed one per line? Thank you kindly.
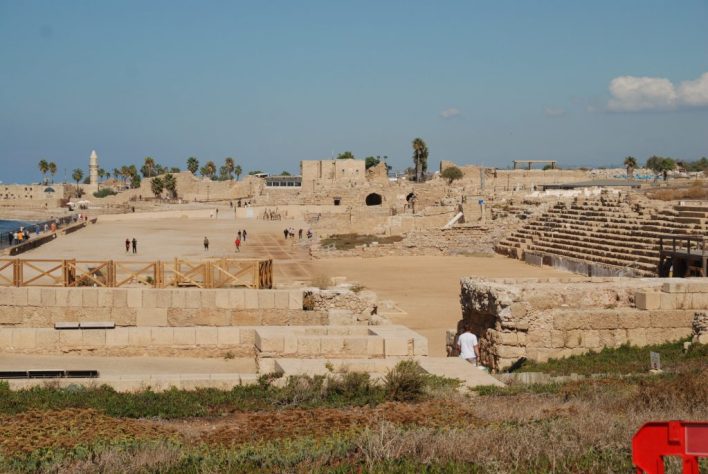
(271, 83)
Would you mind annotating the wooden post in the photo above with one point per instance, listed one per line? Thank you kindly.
(17, 272)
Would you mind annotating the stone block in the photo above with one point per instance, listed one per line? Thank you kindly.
(151, 317)
(634, 320)
(105, 297)
(237, 299)
(69, 339)
(34, 296)
(208, 298)
(93, 337)
(674, 287)
(206, 336)
(266, 299)
(637, 337)
(19, 296)
(282, 299)
(46, 338)
(269, 342)
(537, 338)
(340, 317)
(89, 298)
(604, 320)
(557, 339)
(295, 299)
(61, 297)
(518, 310)
(240, 317)
(507, 338)
(23, 338)
(513, 352)
(228, 336)
(647, 300)
(274, 317)
(396, 346)
(162, 336)
(420, 346)
(290, 345)
(247, 336)
(620, 336)
(140, 336)
(671, 319)
(332, 345)
(193, 299)
(185, 336)
(309, 346)
(177, 298)
(5, 337)
(212, 317)
(150, 298)
(223, 299)
(76, 299)
(120, 297)
(568, 321)
(668, 301)
(163, 298)
(250, 299)
(11, 315)
(124, 316)
(696, 286)
(135, 298)
(181, 316)
(67, 325)
(699, 301)
(573, 339)
(590, 339)
(118, 337)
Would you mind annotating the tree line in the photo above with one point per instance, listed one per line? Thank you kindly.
(663, 164)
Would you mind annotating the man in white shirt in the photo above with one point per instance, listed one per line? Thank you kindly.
(468, 345)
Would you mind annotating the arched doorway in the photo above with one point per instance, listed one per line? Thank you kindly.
(373, 199)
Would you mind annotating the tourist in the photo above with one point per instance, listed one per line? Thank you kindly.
(285, 233)
(10, 238)
(127, 245)
(135, 245)
(46, 227)
(206, 244)
(239, 234)
(309, 233)
(299, 234)
(244, 235)
(468, 345)
(217, 212)
(237, 242)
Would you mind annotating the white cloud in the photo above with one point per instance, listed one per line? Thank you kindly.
(554, 111)
(634, 94)
(452, 112)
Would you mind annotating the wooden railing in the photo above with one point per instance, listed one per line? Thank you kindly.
(219, 273)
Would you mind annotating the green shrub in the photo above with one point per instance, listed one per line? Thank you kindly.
(405, 382)
(103, 192)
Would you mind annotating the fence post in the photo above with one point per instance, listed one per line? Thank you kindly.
(17, 272)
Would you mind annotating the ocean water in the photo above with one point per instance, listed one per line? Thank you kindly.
(9, 226)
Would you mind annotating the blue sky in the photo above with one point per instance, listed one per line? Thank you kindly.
(273, 82)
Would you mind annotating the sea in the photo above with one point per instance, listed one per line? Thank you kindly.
(9, 226)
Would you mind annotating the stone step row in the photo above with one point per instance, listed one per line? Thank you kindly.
(626, 258)
(639, 268)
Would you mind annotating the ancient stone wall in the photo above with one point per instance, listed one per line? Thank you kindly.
(542, 319)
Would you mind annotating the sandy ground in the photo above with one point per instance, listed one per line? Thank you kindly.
(113, 366)
(428, 288)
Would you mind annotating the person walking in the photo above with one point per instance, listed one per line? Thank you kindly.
(206, 244)
(127, 245)
(285, 233)
(299, 234)
(237, 243)
(244, 235)
(468, 345)
(135, 245)
(239, 234)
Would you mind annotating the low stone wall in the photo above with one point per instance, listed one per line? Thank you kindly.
(43, 307)
(542, 319)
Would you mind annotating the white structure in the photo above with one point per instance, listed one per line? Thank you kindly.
(93, 168)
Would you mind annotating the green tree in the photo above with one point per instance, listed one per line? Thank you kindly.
(170, 184)
(193, 164)
(76, 175)
(346, 155)
(659, 165)
(157, 186)
(420, 158)
(285, 173)
(251, 173)
(43, 168)
(630, 163)
(451, 173)
(230, 166)
(237, 171)
(52, 169)
(371, 161)
(101, 173)
(148, 168)
(174, 169)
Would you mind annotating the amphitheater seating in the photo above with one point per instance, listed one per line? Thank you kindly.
(605, 230)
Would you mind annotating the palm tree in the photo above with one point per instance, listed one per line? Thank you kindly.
(157, 186)
(238, 171)
(101, 173)
(52, 169)
(420, 158)
(193, 164)
(229, 166)
(630, 163)
(148, 168)
(77, 175)
(170, 184)
(43, 168)
(210, 169)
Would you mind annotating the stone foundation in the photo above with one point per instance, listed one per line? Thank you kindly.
(542, 319)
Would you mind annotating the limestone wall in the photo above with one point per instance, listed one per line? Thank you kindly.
(541, 319)
(43, 307)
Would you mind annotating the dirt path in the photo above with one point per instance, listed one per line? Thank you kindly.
(427, 288)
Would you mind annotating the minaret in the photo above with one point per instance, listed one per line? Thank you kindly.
(93, 168)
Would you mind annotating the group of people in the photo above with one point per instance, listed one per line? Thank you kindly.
(23, 234)
(290, 233)
(241, 236)
(131, 243)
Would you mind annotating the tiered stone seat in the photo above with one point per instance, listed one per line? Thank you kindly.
(606, 231)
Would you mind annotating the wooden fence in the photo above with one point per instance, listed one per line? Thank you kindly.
(218, 273)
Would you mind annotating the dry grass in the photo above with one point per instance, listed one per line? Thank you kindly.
(697, 190)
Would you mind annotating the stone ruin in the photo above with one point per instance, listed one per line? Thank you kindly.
(538, 319)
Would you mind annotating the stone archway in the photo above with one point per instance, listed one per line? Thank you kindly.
(374, 199)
